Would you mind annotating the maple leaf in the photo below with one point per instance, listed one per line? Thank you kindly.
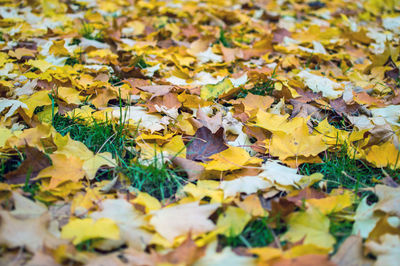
(128, 220)
(232, 158)
(181, 219)
(333, 203)
(316, 233)
(388, 199)
(205, 144)
(31, 233)
(280, 174)
(25, 208)
(139, 117)
(296, 143)
(212, 123)
(245, 184)
(213, 91)
(384, 155)
(61, 172)
(13, 104)
(386, 250)
(84, 229)
(351, 252)
(187, 253)
(321, 84)
(233, 221)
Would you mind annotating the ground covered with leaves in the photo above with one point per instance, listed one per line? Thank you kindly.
(199, 132)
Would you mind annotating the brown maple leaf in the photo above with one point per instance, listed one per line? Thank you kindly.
(205, 144)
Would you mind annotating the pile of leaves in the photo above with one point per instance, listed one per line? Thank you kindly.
(199, 132)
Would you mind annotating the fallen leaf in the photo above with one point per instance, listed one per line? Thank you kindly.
(193, 169)
(13, 104)
(35, 162)
(311, 225)
(246, 184)
(350, 253)
(182, 219)
(333, 203)
(209, 92)
(280, 174)
(385, 155)
(25, 208)
(31, 233)
(387, 251)
(233, 221)
(232, 158)
(61, 172)
(321, 84)
(205, 144)
(388, 199)
(365, 218)
(128, 220)
(212, 123)
(80, 230)
(187, 253)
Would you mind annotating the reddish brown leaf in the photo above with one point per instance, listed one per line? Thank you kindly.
(205, 144)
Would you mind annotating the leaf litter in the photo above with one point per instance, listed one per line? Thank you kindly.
(207, 117)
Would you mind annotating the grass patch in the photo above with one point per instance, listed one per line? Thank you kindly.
(89, 32)
(340, 229)
(341, 170)
(97, 136)
(155, 178)
(223, 39)
(262, 88)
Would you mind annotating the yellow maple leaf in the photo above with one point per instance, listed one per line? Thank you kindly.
(297, 142)
(312, 225)
(91, 165)
(385, 155)
(150, 203)
(333, 203)
(58, 49)
(63, 169)
(5, 133)
(233, 221)
(204, 188)
(42, 64)
(84, 229)
(232, 158)
(37, 99)
(209, 92)
(69, 95)
(69, 147)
